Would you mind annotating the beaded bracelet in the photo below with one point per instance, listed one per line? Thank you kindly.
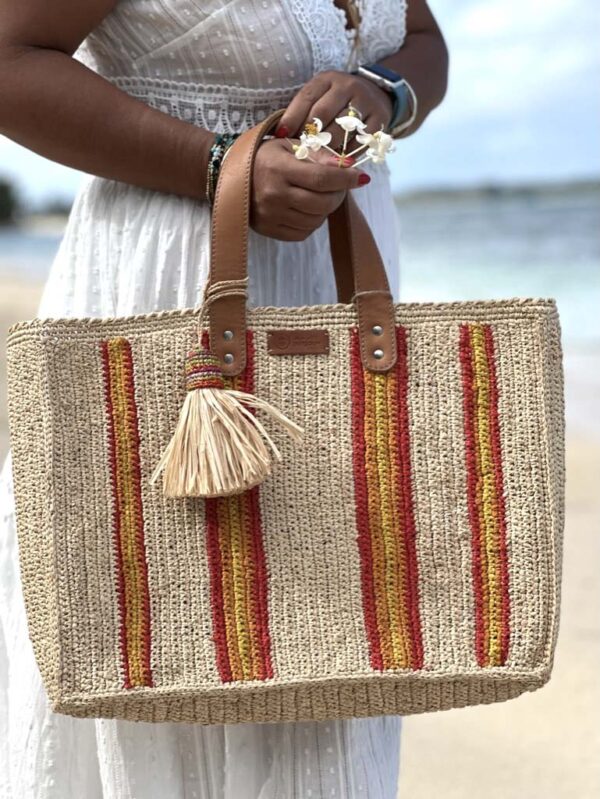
(216, 156)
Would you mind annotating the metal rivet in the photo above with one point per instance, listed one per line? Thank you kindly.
(228, 335)
(378, 354)
(377, 330)
(228, 357)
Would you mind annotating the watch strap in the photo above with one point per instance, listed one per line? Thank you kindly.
(404, 109)
(380, 71)
(401, 108)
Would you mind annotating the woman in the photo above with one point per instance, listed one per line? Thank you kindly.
(138, 109)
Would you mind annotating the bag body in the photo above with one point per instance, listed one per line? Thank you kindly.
(405, 557)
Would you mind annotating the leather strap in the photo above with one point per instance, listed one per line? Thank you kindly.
(351, 243)
(374, 303)
(339, 244)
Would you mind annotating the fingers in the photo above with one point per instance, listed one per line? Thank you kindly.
(331, 105)
(298, 224)
(302, 221)
(288, 233)
(297, 112)
(319, 204)
(292, 198)
(325, 178)
(375, 121)
(326, 96)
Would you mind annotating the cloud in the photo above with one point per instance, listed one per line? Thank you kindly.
(523, 99)
(508, 61)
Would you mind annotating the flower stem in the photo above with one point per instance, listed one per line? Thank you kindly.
(358, 149)
(331, 150)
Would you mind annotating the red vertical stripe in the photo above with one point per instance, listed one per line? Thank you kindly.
(139, 530)
(255, 576)
(362, 504)
(128, 518)
(254, 530)
(116, 515)
(368, 421)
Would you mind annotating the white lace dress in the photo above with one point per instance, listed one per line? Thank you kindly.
(224, 65)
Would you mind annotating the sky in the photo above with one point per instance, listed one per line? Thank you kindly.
(523, 103)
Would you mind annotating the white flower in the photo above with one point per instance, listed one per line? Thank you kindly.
(313, 137)
(300, 151)
(366, 138)
(380, 144)
(386, 142)
(351, 123)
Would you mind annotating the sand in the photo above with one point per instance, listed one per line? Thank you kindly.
(544, 745)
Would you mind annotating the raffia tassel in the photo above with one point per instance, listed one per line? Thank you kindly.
(219, 447)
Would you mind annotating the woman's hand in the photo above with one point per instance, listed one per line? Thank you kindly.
(292, 198)
(328, 96)
(422, 60)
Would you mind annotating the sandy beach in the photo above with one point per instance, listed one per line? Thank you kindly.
(544, 745)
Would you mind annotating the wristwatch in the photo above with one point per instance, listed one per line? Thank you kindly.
(405, 101)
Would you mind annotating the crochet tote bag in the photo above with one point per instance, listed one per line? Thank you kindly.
(405, 556)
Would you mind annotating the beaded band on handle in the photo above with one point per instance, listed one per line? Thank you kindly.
(219, 446)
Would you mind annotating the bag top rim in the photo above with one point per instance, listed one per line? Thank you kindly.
(442, 310)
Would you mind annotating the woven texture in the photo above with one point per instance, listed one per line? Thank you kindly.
(404, 558)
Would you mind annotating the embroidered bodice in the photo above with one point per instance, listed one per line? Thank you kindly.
(226, 64)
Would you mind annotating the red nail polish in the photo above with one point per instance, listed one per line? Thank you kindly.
(339, 161)
(282, 131)
(363, 179)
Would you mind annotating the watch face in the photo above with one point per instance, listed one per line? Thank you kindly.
(384, 72)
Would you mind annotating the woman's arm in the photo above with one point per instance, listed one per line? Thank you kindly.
(422, 60)
(55, 106)
(52, 104)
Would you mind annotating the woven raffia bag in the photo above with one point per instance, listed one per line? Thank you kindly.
(404, 556)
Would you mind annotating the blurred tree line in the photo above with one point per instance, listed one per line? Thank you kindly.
(9, 202)
(13, 208)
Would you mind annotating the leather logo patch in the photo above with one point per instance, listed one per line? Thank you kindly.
(298, 342)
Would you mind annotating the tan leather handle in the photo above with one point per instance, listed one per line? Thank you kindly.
(351, 241)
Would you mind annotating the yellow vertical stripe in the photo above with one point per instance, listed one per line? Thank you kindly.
(374, 509)
(250, 573)
(488, 501)
(126, 479)
(133, 623)
(382, 382)
(401, 571)
(236, 536)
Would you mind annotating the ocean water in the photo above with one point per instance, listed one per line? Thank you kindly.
(27, 253)
(507, 247)
(478, 248)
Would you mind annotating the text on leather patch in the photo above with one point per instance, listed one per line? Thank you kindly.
(298, 342)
